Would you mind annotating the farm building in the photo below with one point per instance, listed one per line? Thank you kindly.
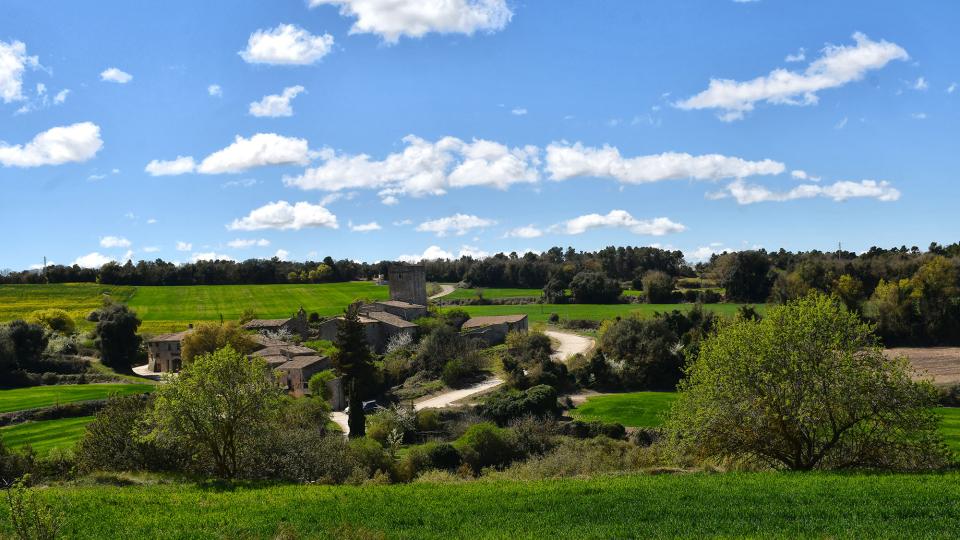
(494, 329)
(380, 326)
(404, 310)
(163, 352)
(295, 325)
(296, 373)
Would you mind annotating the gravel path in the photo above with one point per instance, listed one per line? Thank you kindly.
(444, 290)
(570, 344)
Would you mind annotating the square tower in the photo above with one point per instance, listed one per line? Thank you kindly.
(408, 283)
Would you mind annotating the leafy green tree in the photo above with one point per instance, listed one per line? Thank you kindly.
(935, 294)
(891, 307)
(116, 336)
(745, 276)
(646, 351)
(218, 406)
(207, 338)
(850, 290)
(56, 320)
(27, 342)
(594, 288)
(354, 361)
(318, 384)
(658, 287)
(807, 387)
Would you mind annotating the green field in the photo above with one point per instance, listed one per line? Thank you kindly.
(950, 427)
(636, 409)
(596, 312)
(778, 505)
(35, 397)
(490, 294)
(46, 435)
(165, 309)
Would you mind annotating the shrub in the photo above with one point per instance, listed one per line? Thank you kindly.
(587, 430)
(368, 458)
(428, 420)
(429, 456)
(644, 350)
(554, 318)
(573, 457)
(56, 320)
(318, 384)
(485, 445)
(534, 434)
(113, 441)
(658, 287)
(31, 519)
(504, 406)
(594, 288)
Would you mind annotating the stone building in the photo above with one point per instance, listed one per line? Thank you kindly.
(379, 327)
(163, 352)
(295, 325)
(408, 283)
(494, 329)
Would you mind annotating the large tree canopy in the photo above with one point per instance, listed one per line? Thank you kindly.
(807, 387)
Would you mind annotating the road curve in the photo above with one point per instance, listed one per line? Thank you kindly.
(444, 290)
(570, 344)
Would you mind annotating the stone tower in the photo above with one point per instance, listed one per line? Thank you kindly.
(408, 283)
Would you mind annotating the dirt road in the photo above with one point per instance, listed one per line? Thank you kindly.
(569, 344)
(444, 290)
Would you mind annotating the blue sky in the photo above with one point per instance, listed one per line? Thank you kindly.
(374, 130)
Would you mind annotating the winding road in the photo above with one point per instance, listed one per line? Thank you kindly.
(570, 344)
(444, 290)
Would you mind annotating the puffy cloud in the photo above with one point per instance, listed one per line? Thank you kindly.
(518, 111)
(215, 90)
(799, 56)
(184, 246)
(424, 168)
(799, 174)
(432, 253)
(241, 243)
(365, 227)
(13, 62)
(210, 256)
(114, 242)
(115, 75)
(276, 105)
(181, 165)
(282, 254)
(61, 96)
(839, 65)
(620, 219)
(745, 193)
(286, 44)
(151, 249)
(283, 215)
(952, 88)
(920, 84)
(565, 161)
(457, 223)
(260, 150)
(92, 260)
(919, 116)
(473, 252)
(528, 231)
(391, 19)
(63, 144)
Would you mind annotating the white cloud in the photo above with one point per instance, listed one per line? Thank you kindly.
(151, 221)
(919, 116)
(95, 177)
(952, 88)
(457, 223)
(745, 193)
(703, 253)
(151, 249)
(92, 260)
(181, 165)
(241, 243)
(115, 75)
(473, 252)
(365, 227)
(920, 84)
(283, 215)
(391, 19)
(13, 62)
(803, 175)
(114, 242)
(424, 168)
(839, 65)
(210, 256)
(432, 253)
(246, 182)
(275, 105)
(528, 231)
(565, 161)
(619, 219)
(799, 56)
(215, 90)
(842, 123)
(286, 44)
(282, 254)
(63, 144)
(184, 246)
(518, 111)
(403, 222)
(260, 150)
(61, 96)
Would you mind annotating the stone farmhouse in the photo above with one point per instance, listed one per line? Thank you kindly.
(296, 364)
(295, 325)
(163, 352)
(494, 329)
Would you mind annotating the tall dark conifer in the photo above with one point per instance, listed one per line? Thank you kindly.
(354, 362)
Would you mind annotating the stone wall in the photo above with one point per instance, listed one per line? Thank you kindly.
(408, 283)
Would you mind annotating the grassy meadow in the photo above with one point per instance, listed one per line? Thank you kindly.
(490, 294)
(46, 435)
(596, 312)
(635, 409)
(778, 505)
(35, 397)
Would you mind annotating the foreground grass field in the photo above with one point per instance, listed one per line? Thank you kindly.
(636, 409)
(46, 435)
(595, 312)
(34, 397)
(686, 505)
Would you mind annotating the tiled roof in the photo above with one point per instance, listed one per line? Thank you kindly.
(400, 304)
(178, 336)
(390, 319)
(301, 362)
(477, 322)
(266, 323)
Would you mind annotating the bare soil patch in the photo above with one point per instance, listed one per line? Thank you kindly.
(942, 364)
